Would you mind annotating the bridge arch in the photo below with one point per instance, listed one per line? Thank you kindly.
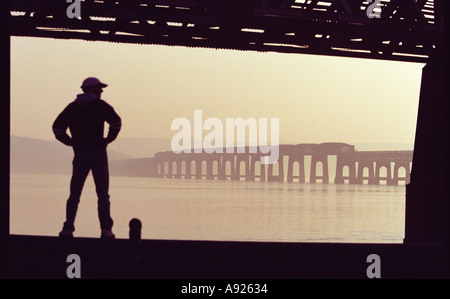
(175, 169)
(183, 167)
(242, 169)
(319, 162)
(296, 167)
(167, 171)
(228, 168)
(383, 172)
(402, 171)
(193, 167)
(346, 171)
(345, 161)
(364, 175)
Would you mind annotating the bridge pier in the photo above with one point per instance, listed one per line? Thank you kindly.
(198, 168)
(222, 172)
(251, 169)
(209, 169)
(263, 176)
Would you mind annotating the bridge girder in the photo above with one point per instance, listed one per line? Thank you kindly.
(408, 30)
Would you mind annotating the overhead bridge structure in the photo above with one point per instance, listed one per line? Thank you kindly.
(402, 30)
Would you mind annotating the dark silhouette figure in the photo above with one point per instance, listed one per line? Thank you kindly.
(85, 117)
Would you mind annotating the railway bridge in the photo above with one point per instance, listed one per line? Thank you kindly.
(300, 162)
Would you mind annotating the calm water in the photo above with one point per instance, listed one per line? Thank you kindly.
(216, 210)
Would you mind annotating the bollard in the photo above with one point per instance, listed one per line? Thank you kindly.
(135, 230)
(135, 240)
(134, 249)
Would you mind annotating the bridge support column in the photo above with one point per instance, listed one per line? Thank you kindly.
(374, 180)
(177, 173)
(188, 174)
(222, 171)
(427, 209)
(216, 174)
(209, 169)
(290, 172)
(198, 169)
(251, 168)
(262, 177)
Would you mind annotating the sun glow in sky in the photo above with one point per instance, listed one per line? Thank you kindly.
(316, 98)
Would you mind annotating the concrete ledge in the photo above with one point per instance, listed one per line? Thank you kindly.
(45, 257)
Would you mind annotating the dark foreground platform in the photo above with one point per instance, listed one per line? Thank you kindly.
(46, 257)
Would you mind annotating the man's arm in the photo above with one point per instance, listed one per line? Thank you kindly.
(115, 124)
(60, 128)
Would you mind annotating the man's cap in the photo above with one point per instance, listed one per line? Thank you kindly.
(91, 81)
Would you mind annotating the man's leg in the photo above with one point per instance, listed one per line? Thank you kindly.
(80, 171)
(100, 173)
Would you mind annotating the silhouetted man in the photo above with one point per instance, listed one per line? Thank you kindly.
(85, 117)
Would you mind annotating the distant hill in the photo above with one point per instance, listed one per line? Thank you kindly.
(30, 155)
(140, 147)
(127, 156)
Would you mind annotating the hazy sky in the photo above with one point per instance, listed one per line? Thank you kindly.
(316, 98)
